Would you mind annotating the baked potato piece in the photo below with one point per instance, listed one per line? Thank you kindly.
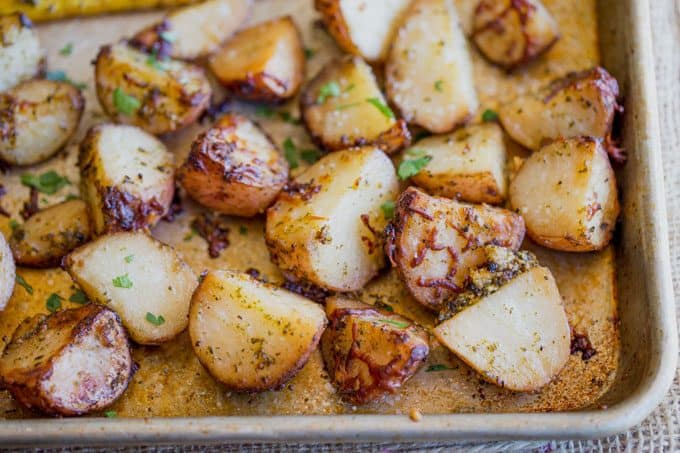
(509, 324)
(265, 62)
(234, 168)
(360, 27)
(7, 272)
(50, 234)
(468, 164)
(159, 95)
(370, 352)
(126, 177)
(433, 242)
(326, 226)
(428, 74)
(343, 107)
(69, 363)
(250, 335)
(567, 194)
(510, 33)
(145, 281)
(21, 56)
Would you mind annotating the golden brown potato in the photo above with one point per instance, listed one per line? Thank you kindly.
(7, 272)
(370, 352)
(37, 118)
(234, 168)
(250, 335)
(429, 71)
(70, 363)
(343, 107)
(21, 57)
(434, 242)
(158, 95)
(126, 177)
(265, 62)
(566, 193)
(510, 32)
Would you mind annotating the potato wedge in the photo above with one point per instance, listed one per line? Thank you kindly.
(158, 95)
(69, 363)
(434, 242)
(234, 168)
(145, 281)
(7, 273)
(360, 27)
(265, 62)
(326, 227)
(428, 74)
(38, 117)
(250, 335)
(126, 177)
(369, 352)
(343, 107)
(510, 33)
(567, 194)
(468, 164)
(21, 56)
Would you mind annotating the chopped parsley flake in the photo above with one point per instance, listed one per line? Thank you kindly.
(20, 281)
(54, 302)
(154, 62)
(384, 109)
(400, 324)
(330, 89)
(388, 209)
(290, 153)
(411, 167)
(125, 103)
(168, 36)
(438, 367)
(122, 281)
(111, 414)
(49, 182)
(309, 53)
(489, 116)
(67, 49)
(310, 155)
(155, 320)
(439, 85)
(13, 224)
(129, 258)
(78, 297)
(243, 230)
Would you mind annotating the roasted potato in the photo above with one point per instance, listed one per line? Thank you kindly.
(70, 363)
(234, 168)
(433, 242)
(566, 193)
(21, 56)
(509, 324)
(370, 352)
(126, 177)
(38, 117)
(265, 62)
(326, 227)
(7, 272)
(343, 107)
(50, 234)
(143, 280)
(360, 27)
(428, 74)
(157, 94)
(468, 164)
(510, 33)
(251, 335)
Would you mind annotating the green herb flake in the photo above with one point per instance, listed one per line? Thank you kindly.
(20, 281)
(54, 302)
(415, 152)
(384, 109)
(388, 209)
(154, 62)
(122, 281)
(310, 155)
(13, 224)
(243, 231)
(125, 103)
(489, 116)
(168, 36)
(110, 414)
(60, 76)
(264, 111)
(411, 167)
(155, 320)
(400, 324)
(129, 258)
(67, 49)
(289, 118)
(78, 297)
(309, 53)
(347, 106)
(290, 153)
(438, 367)
(439, 85)
(71, 196)
(330, 89)
(48, 183)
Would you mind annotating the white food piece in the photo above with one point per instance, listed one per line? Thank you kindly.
(7, 273)
(21, 56)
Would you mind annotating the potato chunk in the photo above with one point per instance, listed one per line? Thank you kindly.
(21, 56)
(429, 70)
(265, 62)
(326, 227)
(251, 335)
(370, 352)
(126, 177)
(566, 193)
(158, 95)
(434, 241)
(510, 33)
(7, 272)
(143, 280)
(70, 363)
(468, 164)
(38, 117)
(343, 107)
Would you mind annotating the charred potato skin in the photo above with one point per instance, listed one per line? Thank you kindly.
(17, 27)
(335, 24)
(7, 272)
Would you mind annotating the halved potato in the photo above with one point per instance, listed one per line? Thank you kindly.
(344, 107)
(567, 194)
(50, 234)
(370, 352)
(361, 27)
(511, 33)
(265, 62)
(158, 95)
(326, 227)
(468, 164)
(250, 335)
(429, 71)
(126, 177)
(38, 117)
(145, 281)
(434, 242)
(234, 168)
(21, 56)
(7, 272)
